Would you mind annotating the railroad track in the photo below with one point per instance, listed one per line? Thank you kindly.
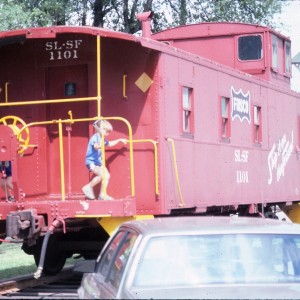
(61, 286)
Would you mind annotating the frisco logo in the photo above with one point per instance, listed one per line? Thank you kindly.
(279, 156)
(240, 107)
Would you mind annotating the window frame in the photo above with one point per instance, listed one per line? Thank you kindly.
(100, 265)
(274, 60)
(225, 118)
(239, 49)
(187, 111)
(110, 273)
(257, 124)
(287, 58)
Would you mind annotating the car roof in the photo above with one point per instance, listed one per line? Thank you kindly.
(211, 225)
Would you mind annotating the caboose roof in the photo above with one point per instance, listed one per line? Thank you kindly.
(210, 29)
(14, 36)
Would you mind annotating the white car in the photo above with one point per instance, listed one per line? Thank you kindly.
(198, 257)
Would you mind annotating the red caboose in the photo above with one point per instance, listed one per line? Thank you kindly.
(211, 123)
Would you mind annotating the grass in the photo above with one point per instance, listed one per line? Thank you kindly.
(15, 262)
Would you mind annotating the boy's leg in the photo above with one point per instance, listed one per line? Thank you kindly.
(105, 180)
(3, 186)
(88, 189)
(9, 184)
(10, 188)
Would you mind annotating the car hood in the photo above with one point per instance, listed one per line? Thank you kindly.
(245, 291)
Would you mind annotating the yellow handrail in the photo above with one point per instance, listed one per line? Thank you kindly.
(103, 162)
(68, 121)
(124, 86)
(61, 156)
(36, 102)
(155, 160)
(176, 170)
(130, 150)
(99, 98)
(130, 140)
(6, 91)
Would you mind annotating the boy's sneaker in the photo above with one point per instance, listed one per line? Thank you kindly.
(89, 192)
(11, 198)
(105, 197)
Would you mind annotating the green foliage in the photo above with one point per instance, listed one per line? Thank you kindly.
(8, 13)
(245, 11)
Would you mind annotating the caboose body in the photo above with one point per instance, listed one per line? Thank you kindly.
(211, 123)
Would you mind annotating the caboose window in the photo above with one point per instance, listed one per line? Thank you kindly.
(274, 52)
(70, 89)
(187, 109)
(225, 122)
(257, 124)
(288, 57)
(250, 47)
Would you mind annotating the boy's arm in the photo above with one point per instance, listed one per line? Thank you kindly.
(115, 142)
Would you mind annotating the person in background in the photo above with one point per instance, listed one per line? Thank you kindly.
(93, 160)
(6, 180)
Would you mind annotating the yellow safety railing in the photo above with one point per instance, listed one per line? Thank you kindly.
(130, 140)
(59, 122)
(97, 98)
(130, 151)
(176, 170)
(6, 91)
(155, 160)
(124, 86)
(60, 136)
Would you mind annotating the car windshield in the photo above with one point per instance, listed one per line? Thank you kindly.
(214, 259)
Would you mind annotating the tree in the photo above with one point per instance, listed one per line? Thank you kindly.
(246, 11)
(121, 15)
(54, 12)
(101, 8)
(9, 9)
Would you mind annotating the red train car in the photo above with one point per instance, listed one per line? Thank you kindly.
(211, 123)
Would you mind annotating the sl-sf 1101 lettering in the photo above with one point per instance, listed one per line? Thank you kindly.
(241, 156)
(63, 50)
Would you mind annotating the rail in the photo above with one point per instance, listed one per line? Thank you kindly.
(155, 160)
(176, 170)
(59, 122)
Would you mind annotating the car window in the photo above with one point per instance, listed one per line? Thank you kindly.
(121, 259)
(114, 260)
(105, 261)
(213, 259)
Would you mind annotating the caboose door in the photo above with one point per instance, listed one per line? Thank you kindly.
(67, 82)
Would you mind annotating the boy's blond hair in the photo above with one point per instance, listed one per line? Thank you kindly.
(103, 125)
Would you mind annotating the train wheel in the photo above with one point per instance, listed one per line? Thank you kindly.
(16, 124)
(55, 259)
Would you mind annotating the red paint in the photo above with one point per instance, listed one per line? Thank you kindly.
(212, 170)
